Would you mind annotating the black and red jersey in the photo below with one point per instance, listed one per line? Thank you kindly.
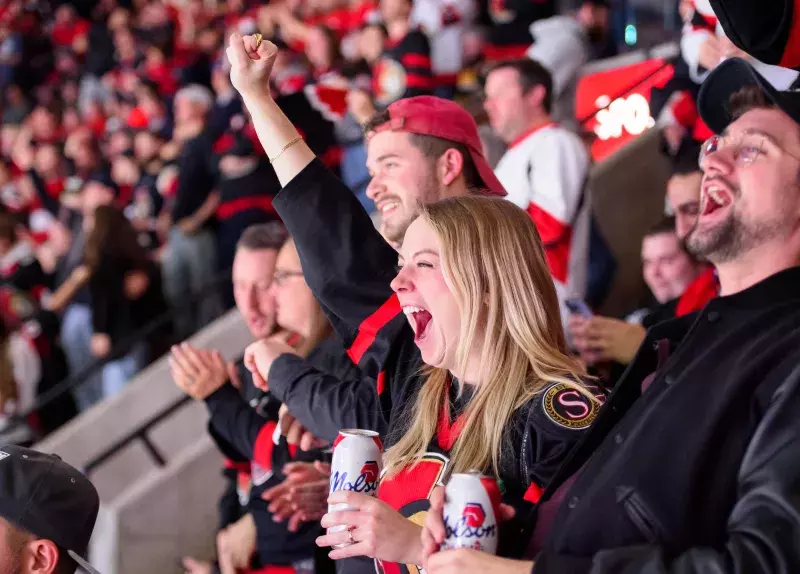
(769, 31)
(349, 266)
(404, 69)
(244, 433)
(243, 424)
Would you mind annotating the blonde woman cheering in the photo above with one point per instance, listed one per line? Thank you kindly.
(465, 341)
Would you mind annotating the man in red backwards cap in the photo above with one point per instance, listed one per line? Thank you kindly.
(421, 150)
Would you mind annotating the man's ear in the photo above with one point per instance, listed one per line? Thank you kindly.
(450, 166)
(40, 557)
(536, 96)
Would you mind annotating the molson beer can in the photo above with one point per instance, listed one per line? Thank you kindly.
(357, 463)
(472, 502)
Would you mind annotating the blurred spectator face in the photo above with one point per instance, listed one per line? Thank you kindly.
(125, 44)
(318, 49)
(295, 304)
(8, 135)
(392, 10)
(667, 269)
(94, 194)
(371, 43)
(65, 14)
(14, 95)
(119, 19)
(71, 120)
(119, 143)
(145, 147)
(253, 270)
(66, 64)
(594, 20)
(43, 124)
(86, 158)
(209, 41)
(154, 56)
(220, 81)
(750, 196)
(124, 170)
(187, 109)
(509, 109)
(683, 196)
(47, 159)
(69, 93)
(402, 179)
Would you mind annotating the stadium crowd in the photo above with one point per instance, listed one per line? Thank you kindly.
(413, 268)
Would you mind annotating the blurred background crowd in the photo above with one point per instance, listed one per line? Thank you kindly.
(129, 167)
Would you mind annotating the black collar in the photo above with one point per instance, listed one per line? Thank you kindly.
(778, 289)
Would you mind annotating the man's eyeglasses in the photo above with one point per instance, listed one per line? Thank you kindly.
(281, 277)
(744, 152)
(745, 148)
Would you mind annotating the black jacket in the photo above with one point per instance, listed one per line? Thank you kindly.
(701, 471)
(349, 266)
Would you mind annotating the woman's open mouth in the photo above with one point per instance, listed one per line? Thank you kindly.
(420, 321)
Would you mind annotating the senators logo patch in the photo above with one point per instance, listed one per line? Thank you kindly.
(390, 81)
(568, 407)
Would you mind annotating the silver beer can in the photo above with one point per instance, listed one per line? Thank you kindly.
(471, 508)
(356, 466)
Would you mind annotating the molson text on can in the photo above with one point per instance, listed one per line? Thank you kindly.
(356, 466)
(472, 503)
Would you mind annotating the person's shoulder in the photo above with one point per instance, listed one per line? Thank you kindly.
(564, 407)
(556, 134)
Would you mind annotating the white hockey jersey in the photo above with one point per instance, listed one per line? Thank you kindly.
(444, 21)
(545, 173)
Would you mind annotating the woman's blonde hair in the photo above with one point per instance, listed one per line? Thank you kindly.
(494, 264)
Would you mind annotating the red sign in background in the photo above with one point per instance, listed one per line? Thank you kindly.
(618, 103)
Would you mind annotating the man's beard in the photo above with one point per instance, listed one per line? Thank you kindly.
(731, 238)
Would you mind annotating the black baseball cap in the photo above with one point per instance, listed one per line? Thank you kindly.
(45, 496)
(728, 78)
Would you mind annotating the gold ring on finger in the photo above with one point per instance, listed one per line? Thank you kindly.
(259, 38)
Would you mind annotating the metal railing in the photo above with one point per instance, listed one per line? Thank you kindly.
(75, 380)
(140, 433)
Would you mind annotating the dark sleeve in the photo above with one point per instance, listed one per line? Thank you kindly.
(769, 31)
(416, 59)
(50, 204)
(323, 403)
(764, 524)
(195, 177)
(230, 509)
(105, 288)
(556, 423)
(346, 263)
(241, 426)
(220, 117)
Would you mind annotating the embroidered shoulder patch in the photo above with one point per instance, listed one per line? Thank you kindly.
(567, 407)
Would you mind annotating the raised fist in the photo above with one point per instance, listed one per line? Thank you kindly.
(251, 65)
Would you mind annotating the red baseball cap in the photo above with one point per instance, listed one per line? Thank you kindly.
(437, 117)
